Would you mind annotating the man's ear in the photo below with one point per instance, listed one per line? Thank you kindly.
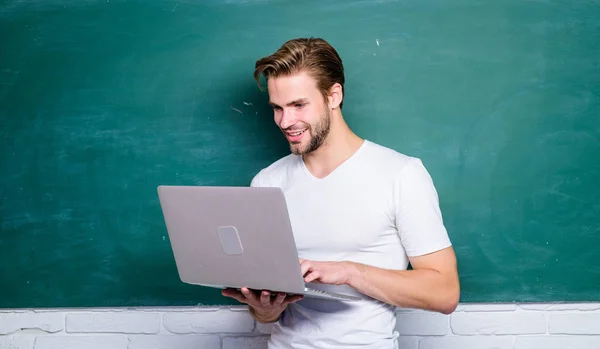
(335, 96)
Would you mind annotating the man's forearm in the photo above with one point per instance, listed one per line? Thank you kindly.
(422, 289)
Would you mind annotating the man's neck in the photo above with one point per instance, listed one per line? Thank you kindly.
(337, 148)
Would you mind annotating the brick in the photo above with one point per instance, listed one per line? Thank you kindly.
(81, 342)
(421, 323)
(237, 308)
(557, 342)
(561, 307)
(113, 322)
(212, 321)
(17, 342)
(471, 342)
(174, 341)
(486, 307)
(408, 342)
(255, 342)
(464, 323)
(574, 323)
(47, 322)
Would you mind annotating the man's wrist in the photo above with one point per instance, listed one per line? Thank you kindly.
(352, 272)
(263, 318)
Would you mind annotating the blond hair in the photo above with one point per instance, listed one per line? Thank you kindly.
(314, 56)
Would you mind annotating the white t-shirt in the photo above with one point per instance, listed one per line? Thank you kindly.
(377, 208)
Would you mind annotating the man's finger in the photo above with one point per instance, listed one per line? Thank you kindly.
(279, 299)
(235, 294)
(312, 276)
(293, 298)
(231, 292)
(265, 298)
(305, 267)
(249, 295)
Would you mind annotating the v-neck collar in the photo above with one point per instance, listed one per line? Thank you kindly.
(337, 169)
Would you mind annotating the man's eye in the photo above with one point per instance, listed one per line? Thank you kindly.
(299, 105)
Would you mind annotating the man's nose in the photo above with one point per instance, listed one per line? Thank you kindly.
(287, 119)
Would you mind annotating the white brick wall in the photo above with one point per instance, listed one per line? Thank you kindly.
(471, 326)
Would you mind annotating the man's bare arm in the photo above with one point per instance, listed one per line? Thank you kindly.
(432, 284)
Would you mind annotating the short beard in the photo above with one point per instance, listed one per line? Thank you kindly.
(321, 132)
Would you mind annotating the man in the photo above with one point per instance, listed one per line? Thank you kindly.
(360, 213)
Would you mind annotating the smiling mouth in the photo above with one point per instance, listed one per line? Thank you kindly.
(296, 133)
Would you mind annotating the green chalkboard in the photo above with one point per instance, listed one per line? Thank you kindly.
(102, 101)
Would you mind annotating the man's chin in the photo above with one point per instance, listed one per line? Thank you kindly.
(297, 148)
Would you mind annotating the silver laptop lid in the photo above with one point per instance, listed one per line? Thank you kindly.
(232, 237)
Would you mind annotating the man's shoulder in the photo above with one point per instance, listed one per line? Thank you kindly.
(388, 157)
(394, 165)
(273, 173)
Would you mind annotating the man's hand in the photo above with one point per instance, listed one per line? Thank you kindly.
(264, 308)
(336, 273)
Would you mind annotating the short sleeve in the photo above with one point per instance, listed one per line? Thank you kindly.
(418, 216)
(256, 180)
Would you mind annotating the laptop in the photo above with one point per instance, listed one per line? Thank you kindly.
(234, 237)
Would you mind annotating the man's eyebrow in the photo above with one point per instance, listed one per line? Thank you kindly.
(297, 101)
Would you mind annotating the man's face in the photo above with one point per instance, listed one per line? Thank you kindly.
(300, 111)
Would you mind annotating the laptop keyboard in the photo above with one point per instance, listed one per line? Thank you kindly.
(313, 290)
(327, 294)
